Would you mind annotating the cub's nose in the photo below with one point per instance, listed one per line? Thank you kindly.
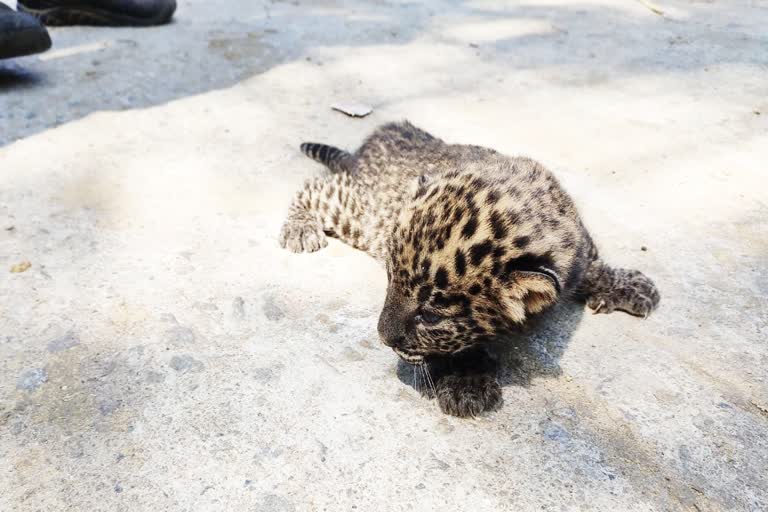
(390, 330)
(393, 343)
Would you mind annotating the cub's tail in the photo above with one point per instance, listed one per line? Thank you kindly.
(337, 160)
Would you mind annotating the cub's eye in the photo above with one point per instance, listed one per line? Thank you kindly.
(428, 317)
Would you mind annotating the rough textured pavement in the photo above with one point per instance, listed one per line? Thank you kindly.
(162, 352)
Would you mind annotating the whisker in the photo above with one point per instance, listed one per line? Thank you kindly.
(418, 373)
(417, 369)
(421, 375)
(434, 388)
(425, 369)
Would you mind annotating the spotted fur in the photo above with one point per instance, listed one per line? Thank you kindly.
(474, 242)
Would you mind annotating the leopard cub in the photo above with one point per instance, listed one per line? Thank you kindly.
(474, 242)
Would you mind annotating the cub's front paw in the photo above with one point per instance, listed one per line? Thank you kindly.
(302, 235)
(632, 292)
(468, 395)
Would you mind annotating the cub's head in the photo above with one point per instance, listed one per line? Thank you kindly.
(461, 268)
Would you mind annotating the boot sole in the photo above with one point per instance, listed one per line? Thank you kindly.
(23, 42)
(61, 16)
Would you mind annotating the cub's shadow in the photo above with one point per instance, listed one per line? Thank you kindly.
(532, 351)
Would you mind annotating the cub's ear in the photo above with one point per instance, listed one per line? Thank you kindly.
(529, 292)
(420, 185)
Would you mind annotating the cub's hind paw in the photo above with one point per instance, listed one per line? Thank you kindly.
(631, 292)
(302, 236)
(468, 395)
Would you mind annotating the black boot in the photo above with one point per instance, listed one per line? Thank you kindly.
(101, 12)
(21, 34)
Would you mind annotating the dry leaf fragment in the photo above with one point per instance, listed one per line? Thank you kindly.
(760, 407)
(353, 109)
(21, 267)
(654, 8)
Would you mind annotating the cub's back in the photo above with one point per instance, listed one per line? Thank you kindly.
(518, 188)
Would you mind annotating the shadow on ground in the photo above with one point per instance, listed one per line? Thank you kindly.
(533, 352)
(214, 45)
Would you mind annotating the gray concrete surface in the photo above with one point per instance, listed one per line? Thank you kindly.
(162, 353)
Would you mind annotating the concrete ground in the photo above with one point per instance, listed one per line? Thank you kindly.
(163, 353)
